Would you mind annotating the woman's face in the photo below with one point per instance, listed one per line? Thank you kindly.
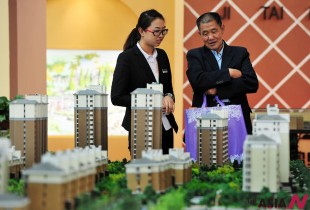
(155, 33)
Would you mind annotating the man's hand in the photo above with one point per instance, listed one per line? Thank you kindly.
(211, 91)
(234, 73)
(168, 105)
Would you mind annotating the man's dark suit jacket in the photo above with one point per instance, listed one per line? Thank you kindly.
(132, 71)
(203, 73)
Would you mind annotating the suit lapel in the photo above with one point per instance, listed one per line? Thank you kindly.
(227, 56)
(209, 59)
(144, 64)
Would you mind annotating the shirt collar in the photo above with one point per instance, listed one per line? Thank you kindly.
(220, 53)
(147, 56)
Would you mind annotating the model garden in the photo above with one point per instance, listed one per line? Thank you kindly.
(210, 186)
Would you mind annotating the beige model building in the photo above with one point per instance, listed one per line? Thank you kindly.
(261, 163)
(91, 117)
(158, 170)
(146, 120)
(28, 127)
(8, 201)
(59, 179)
(271, 123)
(181, 164)
(212, 136)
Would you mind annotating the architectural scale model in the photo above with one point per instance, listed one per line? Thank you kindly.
(261, 163)
(266, 152)
(212, 136)
(91, 117)
(146, 119)
(158, 170)
(28, 127)
(8, 200)
(274, 122)
(59, 179)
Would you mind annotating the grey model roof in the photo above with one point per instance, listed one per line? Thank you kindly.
(145, 91)
(43, 167)
(12, 201)
(24, 101)
(261, 137)
(270, 117)
(209, 116)
(144, 161)
(89, 92)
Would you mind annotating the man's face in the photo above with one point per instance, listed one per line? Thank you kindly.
(211, 34)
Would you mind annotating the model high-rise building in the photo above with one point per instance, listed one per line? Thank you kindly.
(261, 163)
(212, 136)
(271, 123)
(158, 170)
(146, 120)
(7, 200)
(90, 115)
(28, 127)
(59, 179)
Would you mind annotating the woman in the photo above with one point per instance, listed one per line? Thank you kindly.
(141, 63)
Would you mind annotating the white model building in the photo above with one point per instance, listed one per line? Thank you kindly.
(271, 123)
(8, 200)
(28, 127)
(59, 179)
(158, 170)
(261, 163)
(91, 117)
(212, 136)
(146, 119)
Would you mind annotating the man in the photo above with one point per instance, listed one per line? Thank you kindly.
(220, 70)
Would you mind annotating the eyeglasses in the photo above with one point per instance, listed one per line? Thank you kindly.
(158, 32)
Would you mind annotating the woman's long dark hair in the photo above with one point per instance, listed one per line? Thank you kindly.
(145, 20)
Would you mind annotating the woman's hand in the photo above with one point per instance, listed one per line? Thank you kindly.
(168, 105)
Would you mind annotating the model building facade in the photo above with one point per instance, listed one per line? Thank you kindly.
(158, 170)
(59, 179)
(28, 127)
(272, 123)
(90, 115)
(146, 120)
(212, 136)
(8, 200)
(261, 163)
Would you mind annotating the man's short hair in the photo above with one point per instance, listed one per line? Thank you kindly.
(207, 17)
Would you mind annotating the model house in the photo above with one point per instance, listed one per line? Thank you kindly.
(146, 120)
(212, 138)
(8, 201)
(158, 170)
(261, 163)
(28, 127)
(59, 179)
(275, 123)
(91, 117)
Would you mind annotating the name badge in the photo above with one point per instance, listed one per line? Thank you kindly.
(165, 71)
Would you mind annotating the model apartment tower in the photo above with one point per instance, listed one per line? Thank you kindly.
(28, 127)
(8, 200)
(146, 119)
(91, 117)
(261, 163)
(56, 182)
(271, 123)
(212, 135)
(158, 170)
